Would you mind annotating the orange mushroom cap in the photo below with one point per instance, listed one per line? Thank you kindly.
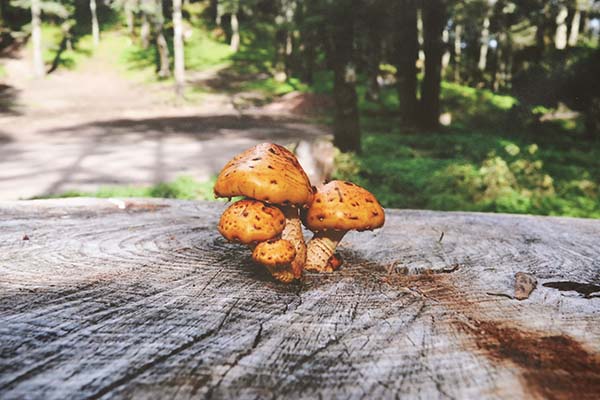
(266, 172)
(274, 253)
(343, 206)
(250, 221)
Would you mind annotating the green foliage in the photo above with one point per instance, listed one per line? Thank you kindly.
(478, 164)
(54, 51)
(56, 8)
(184, 187)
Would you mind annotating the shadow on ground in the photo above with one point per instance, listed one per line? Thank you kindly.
(198, 128)
(8, 100)
(145, 151)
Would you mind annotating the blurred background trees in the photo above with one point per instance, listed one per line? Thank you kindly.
(403, 66)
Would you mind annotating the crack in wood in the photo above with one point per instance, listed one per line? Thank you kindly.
(139, 371)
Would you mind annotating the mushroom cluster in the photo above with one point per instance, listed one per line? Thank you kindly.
(278, 198)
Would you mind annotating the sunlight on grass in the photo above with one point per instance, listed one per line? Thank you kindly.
(184, 187)
(52, 36)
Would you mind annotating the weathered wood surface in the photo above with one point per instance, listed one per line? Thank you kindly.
(149, 301)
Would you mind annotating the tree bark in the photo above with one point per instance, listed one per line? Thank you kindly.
(560, 37)
(130, 17)
(406, 48)
(457, 52)
(373, 60)
(575, 23)
(145, 28)
(235, 32)
(485, 43)
(434, 19)
(39, 69)
(164, 70)
(178, 49)
(95, 25)
(420, 33)
(149, 301)
(309, 35)
(540, 36)
(446, 55)
(346, 128)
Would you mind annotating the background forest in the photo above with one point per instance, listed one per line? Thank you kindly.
(485, 105)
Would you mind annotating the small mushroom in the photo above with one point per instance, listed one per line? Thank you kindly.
(337, 208)
(276, 255)
(251, 221)
(272, 174)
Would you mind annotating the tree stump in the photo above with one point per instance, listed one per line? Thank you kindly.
(144, 299)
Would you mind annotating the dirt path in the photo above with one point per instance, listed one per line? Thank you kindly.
(91, 127)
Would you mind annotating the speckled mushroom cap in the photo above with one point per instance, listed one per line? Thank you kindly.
(266, 172)
(343, 206)
(274, 253)
(250, 221)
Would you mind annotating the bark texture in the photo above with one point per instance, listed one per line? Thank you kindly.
(39, 69)
(235, 32)
(178, 49)
(164, 69)
(406, 46)
(95, 25)
(434, 19)
(145, 299)
(346, 129)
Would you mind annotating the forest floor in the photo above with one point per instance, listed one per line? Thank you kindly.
(91, 127)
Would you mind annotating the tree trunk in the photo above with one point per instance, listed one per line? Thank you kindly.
(485, 43)
(346, 128)
(446, 55)
(540, 37)
(373, 56)
(164, 70)
(235, 32)
(309, 35)
(130, 17)
(420, 33)
(149, 301)
(145, 28)
(406, 48)
(574, 34)
(178, 48)
(212, 10)
(560, 37)
(95, 25)
(290, 14)
(36, 39)
(457, 52)
(219, 12)
(434, 19)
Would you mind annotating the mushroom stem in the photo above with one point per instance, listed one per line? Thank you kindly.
(320, 248)
(293, 233)
(282, 274)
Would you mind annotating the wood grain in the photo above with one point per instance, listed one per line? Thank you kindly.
(148, 301)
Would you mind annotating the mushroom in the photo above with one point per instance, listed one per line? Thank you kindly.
(276, 255)
(271, 173)
(251, 221)
(337, 208)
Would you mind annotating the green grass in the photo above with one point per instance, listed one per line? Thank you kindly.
(494, 157)
(2, 71)
(52, 37)
(184, 187)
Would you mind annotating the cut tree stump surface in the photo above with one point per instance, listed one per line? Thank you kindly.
(144, 299)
